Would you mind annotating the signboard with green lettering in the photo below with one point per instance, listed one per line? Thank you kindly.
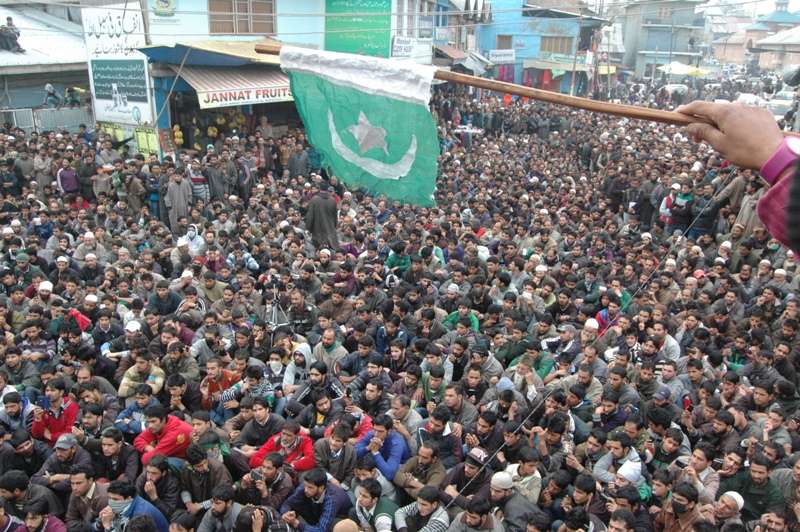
(363, 27)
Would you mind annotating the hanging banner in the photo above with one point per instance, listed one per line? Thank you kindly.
(118, 73)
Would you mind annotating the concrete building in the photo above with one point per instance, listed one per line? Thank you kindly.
(771, 30)
(657, 33)
(540, 45)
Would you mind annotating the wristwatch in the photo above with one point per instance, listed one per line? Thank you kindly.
(783, 158)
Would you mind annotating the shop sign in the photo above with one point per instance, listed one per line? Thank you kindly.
(402, 46)
(229, 98)
(562, 58)
(118, 73)
(426, 27)
(502, 57)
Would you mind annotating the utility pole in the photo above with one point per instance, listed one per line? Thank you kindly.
(575, 57)
(655, 64)
(608, 68)
(671, 39)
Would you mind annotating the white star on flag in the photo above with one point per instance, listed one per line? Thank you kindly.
(367, 135)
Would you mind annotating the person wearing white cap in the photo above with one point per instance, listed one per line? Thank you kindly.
(589, 331)
(89, 245)
(44, 295)
(727, 511)
(515, 507)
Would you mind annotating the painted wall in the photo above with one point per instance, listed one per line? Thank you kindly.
(190, 23)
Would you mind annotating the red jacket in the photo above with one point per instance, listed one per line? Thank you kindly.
(302, 458)
(229, 378)
(366, 426)
(172, 441)
(58, 425)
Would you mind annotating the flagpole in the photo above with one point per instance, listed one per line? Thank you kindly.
(627, 111)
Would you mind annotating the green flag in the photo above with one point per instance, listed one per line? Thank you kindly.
(369, 118)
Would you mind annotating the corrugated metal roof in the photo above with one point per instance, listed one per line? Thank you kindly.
(49, 48)
(736, 38)
(780, 17)
(783, 38)
(758, 26)
(453, 53)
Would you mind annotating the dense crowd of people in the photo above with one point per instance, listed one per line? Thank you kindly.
(592, 330)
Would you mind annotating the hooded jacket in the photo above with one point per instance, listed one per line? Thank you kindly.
(449, 444)
(24, 421)
(601, 469)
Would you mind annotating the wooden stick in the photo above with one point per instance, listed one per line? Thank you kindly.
(627, 111)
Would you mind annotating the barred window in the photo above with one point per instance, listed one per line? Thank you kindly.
(241, 17)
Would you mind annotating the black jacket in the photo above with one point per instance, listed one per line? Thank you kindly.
(127, 465)
(308, 419)
(255, 434)
(168, 489)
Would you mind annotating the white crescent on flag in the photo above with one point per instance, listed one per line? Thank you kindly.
(380, 170)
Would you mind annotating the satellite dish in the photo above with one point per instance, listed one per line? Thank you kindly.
(791, 75)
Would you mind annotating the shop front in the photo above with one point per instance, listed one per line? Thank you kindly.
(208, 91)
(554, 76)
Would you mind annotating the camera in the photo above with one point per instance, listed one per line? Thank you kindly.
(256, 474)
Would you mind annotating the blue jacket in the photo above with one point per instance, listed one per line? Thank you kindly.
(335, 503)
(382, 339)
(392, 455)
(166, 307)
(140, 506)
(136, 415)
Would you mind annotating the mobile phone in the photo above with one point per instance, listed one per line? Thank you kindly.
(759, 447)
(603, 496)
(255, 474)
(77, 424)
(43, 402)
(690, 408)
(681, 463)
(633, 409)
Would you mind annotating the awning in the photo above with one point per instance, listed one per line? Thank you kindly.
(453, 53)
(244, 85)
(552, 65)
(210, 53)
(476, 63)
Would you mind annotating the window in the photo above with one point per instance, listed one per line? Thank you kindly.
(242, 17)
(557, 45)
(505, 42)
(666, 13)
